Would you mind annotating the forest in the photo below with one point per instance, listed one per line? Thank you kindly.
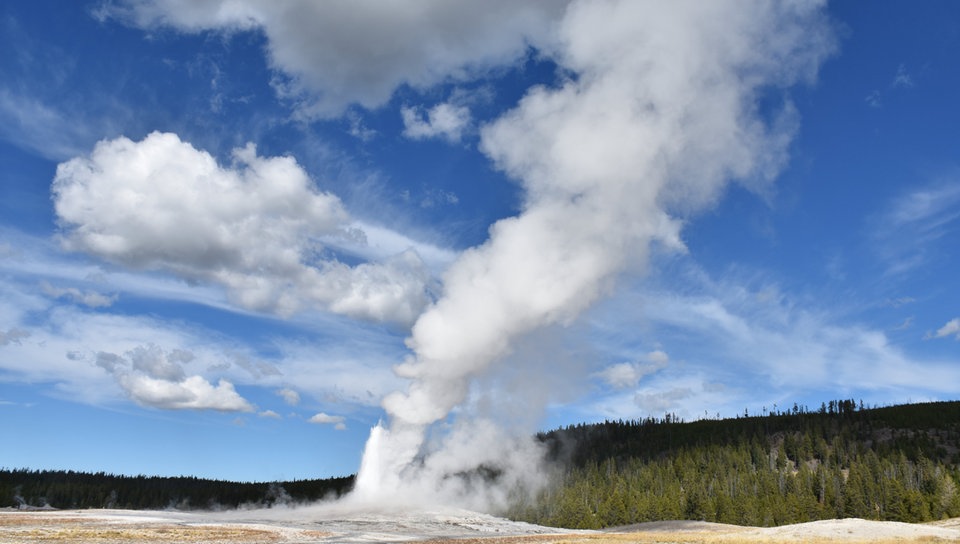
(24, 488)
(897, 463)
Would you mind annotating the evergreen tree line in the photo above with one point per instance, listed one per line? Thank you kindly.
(23, 488)
(898, 463)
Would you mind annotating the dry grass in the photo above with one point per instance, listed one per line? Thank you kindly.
(65, 529)
(136, 533)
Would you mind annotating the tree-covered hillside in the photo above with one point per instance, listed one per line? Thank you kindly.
(68, 489)
(895, 463)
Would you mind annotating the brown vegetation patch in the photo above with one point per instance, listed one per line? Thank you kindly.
(23, 529)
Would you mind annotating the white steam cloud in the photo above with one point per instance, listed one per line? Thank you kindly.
(659, 113)
(253, 227)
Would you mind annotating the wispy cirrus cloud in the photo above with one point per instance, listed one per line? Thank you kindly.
(345, 362)
(950, 328)
(902, 78)
(728, 338)
(91, 299)
(908, 233)
(13, 336)
(40, 128)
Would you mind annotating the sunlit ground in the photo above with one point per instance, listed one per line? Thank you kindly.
(110, 527)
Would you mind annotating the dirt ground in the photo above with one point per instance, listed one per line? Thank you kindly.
(117, 526)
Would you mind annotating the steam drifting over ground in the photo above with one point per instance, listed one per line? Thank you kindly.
(658, 112)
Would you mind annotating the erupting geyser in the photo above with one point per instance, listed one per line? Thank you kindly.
(657, 112)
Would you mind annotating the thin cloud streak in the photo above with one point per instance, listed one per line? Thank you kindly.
(777, 345)
(909, 231)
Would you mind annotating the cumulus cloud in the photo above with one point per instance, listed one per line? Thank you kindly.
(340, 52)
(152, 361)
(322, 418)
(269, 414)
(445, 121)
(625, 375)
(253, 227)
(951, 328)
(289, 396)
(193, 393)
(155, 378)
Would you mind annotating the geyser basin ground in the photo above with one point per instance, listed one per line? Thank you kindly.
(330, 525)
(327, 523)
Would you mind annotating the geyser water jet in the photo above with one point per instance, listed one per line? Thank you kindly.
(660, 115)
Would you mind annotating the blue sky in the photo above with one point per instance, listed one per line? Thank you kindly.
(223, 225)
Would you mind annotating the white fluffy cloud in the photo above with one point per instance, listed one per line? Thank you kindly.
(193, 393)
(446, 121)
(152, 377)
(322, 418)
(626, 375)
(253, 227)
(339, 52)
(289, 396)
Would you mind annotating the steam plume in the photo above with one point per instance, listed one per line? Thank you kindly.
(659, 113)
